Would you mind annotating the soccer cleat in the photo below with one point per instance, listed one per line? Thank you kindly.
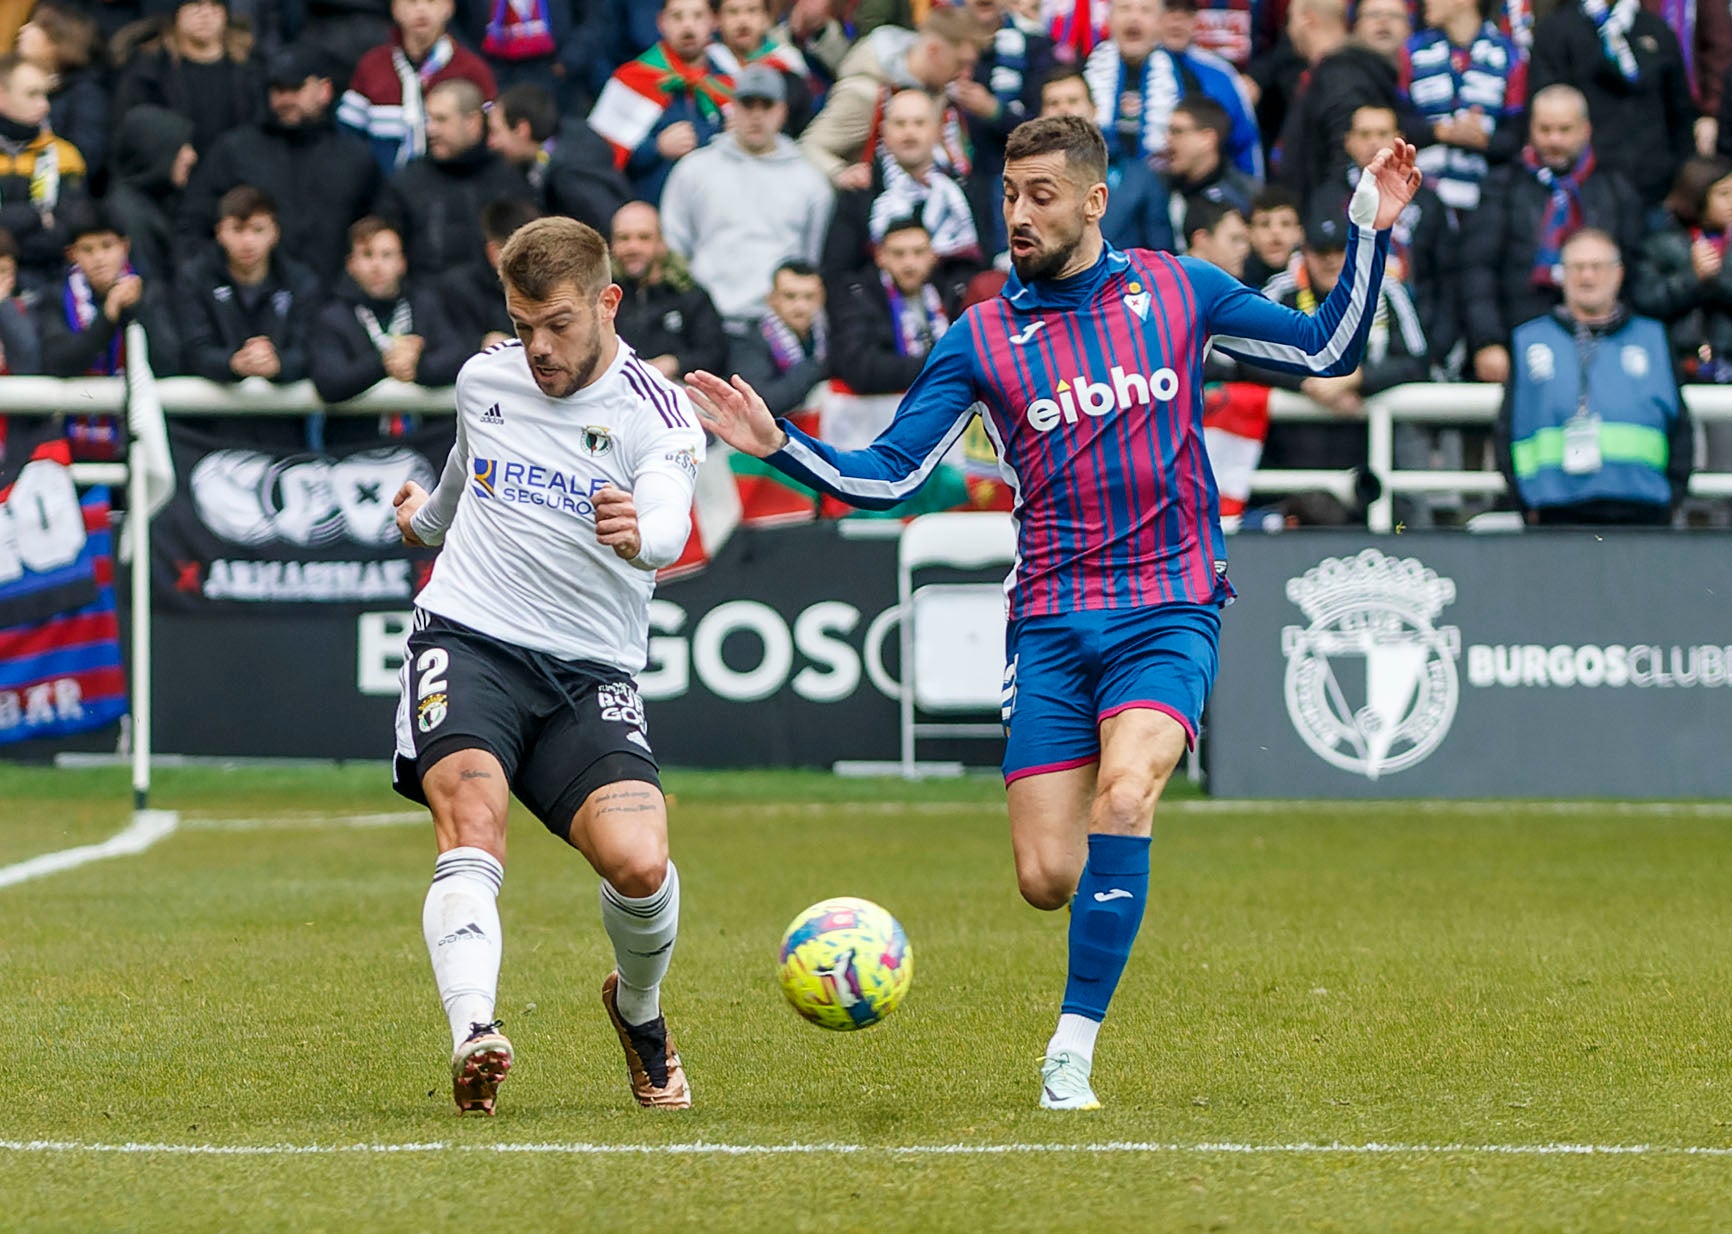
(1064, 1083)
(658, 1080)
(478, 1067)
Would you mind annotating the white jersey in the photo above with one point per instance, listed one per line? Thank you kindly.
(521, 561)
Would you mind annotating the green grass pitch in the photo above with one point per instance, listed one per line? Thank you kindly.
(1461, 986)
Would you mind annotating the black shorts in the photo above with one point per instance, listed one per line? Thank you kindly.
(560, 728)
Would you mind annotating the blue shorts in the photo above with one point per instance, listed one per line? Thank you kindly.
(1064, 675)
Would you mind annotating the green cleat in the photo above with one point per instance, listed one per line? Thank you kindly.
(1064, 1083)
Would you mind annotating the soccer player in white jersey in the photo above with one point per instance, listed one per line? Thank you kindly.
(570, 484)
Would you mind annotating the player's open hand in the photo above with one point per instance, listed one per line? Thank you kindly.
(616, 522)
(410, 498)
(734, 412)
(1396, 178)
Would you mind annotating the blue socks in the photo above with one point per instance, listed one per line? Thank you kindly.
(1104, 919)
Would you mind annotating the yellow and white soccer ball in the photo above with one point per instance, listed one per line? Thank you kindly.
(845, 963)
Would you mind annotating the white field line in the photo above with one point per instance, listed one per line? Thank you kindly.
(702, 1149)
(308, 822)
(146, 828)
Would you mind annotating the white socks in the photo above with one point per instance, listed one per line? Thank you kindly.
(1076, 1034)
(643, 933)
(460, 922)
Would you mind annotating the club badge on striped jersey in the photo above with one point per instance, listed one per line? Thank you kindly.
(1137, 300)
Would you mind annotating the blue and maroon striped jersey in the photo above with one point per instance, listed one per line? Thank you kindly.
(1092, 390)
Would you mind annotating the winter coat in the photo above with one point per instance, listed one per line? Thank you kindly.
(41, 238)
(672, 316)
(436, 205)
(579, 180)
(1697, 311)
(372, 106)
(156, 73)
(1642, 129)
(863, 349)
(837, 134)
(70, 352)
(19, 341)
(848, 249)
(471, 304)
(735, 217)
(750, 357)
(1317, 121)
(78, 110)
(344, 359)
(321, 178)
(217, 318)
(1498, 244)
(142, 197)
(1139, 207)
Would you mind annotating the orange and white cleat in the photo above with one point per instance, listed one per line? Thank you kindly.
(478, 1067)
(658, 1080)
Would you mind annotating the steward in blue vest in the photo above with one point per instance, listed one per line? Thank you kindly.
(1594, 428)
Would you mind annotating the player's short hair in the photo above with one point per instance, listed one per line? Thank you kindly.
(798, 268)
(501, 218)
(89, 218)
(1066, 72)
(1201, 214)
(463, 92)
(364, 229)
(245, 201)
(1080, 141)
(529, 102)
(551, 253)
(1274, 198)
(1207, 114)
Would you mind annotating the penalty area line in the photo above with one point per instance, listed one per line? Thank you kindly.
(703, 1149)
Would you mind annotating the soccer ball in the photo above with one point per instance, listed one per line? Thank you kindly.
(845, 964)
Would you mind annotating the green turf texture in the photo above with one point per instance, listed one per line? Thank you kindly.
(1489, 976)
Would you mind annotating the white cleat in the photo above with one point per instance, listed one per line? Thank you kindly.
(1064, 1083)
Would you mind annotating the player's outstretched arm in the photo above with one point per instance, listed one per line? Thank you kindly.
(930, 418)
(1329, 343)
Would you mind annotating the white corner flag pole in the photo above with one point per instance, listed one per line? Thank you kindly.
(149, 485)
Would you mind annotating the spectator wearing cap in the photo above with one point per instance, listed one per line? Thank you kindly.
(844, 138)
(1148, 64)
(1395, 353)
(787, 352)
(63, 42)
(906, 183)
(667, 318)
(1628, 65)
(199, 65)
(743, 40)
(660, 107)
(1139, 205)
(322, 177)
(1510, 251)
(569, 167)
(435, 203)
(746, 202)
(41, 175)
(469, 297)
(387, 101)
(153, 162)
(1594, 429)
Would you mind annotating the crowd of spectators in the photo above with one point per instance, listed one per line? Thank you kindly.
(807, 190)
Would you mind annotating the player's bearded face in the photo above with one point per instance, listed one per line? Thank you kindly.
(1044, 218)
(562, 338)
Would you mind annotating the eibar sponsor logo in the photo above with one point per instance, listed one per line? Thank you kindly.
(1372, 627)
(1082, 396)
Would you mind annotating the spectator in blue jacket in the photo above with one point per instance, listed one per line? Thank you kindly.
(1593, 428)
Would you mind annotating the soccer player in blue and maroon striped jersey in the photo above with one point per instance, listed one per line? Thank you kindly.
(1089, 366)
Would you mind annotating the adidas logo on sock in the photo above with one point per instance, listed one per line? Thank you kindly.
(493, 415)
(469, 931)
